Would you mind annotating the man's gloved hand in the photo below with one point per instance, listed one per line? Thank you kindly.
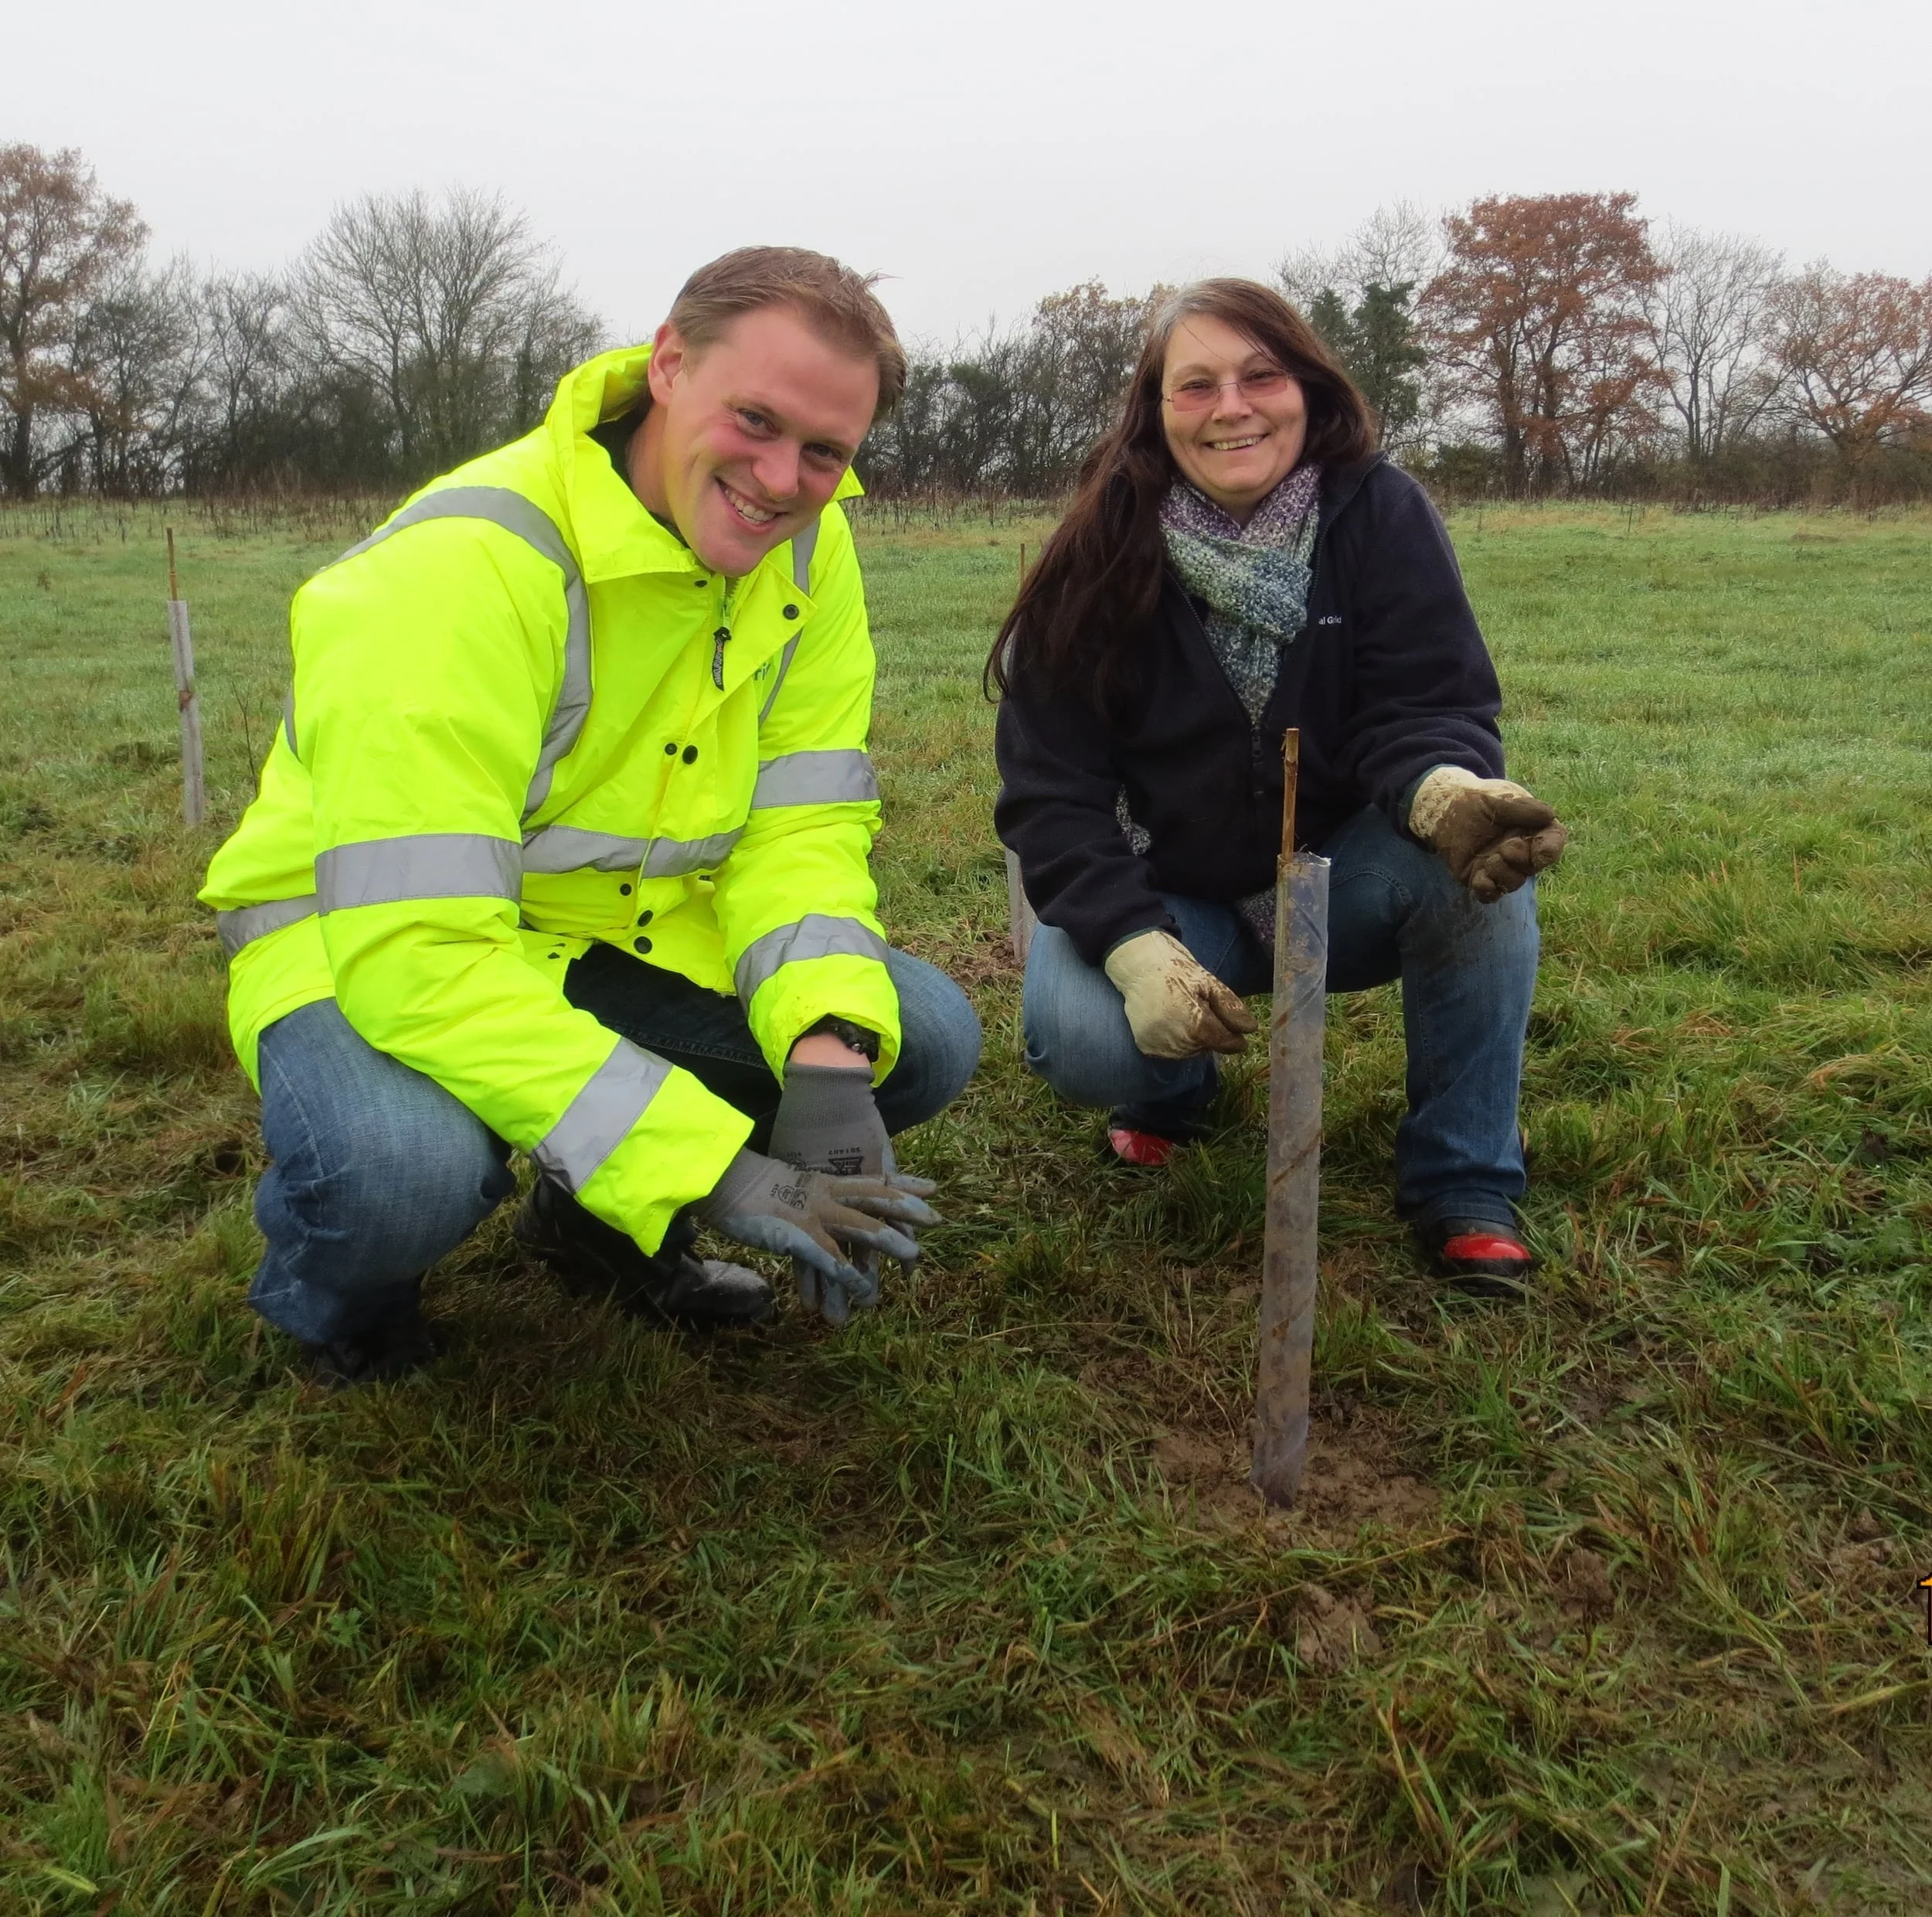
(1492, 834)
(828, 1121)
(1176, 1007)
(816, 1217)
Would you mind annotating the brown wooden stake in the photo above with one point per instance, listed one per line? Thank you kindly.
(193, 787)
(1289, 1263)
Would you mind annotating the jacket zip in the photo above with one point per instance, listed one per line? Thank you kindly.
(721, 638)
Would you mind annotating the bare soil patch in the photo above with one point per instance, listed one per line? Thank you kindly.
(1354, 1478)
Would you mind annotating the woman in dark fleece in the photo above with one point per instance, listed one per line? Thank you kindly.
(1239, 559)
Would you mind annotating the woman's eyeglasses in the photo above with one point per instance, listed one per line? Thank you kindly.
(1196, 396)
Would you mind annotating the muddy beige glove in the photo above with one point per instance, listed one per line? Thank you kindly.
(1176, 1006)
(1492, 834)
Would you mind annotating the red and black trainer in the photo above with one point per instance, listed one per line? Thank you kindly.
(1478, 1256)
(1149, 1150)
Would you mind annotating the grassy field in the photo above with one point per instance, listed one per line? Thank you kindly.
(1603, 1605)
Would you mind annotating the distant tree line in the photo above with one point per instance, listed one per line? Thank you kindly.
(1522, 345)
(1561, 346)
(410, 334)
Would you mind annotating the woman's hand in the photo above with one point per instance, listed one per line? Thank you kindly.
(1176, 1007)
(1492, 834)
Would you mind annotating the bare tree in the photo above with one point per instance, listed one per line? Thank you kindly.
(1396, 244)
(61, 240)
(1857, 351)
(454, 314)
(138, 355)
(1077, 354)
(1361, 298)
(1710, 328)
(246, 368)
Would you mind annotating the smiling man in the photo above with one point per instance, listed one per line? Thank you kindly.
(563, 848)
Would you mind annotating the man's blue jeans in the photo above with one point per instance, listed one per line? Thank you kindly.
(379, 1172)
(1468, 971)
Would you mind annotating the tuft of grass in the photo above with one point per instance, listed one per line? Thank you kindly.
(1604, 1604)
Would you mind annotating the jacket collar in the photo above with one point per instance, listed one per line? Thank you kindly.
(1340, 484)
(614, 537)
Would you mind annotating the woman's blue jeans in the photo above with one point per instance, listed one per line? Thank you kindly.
(1467, 971)
(379, 1172)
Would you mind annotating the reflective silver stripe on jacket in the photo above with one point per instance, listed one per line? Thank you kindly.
(426, 865)
(803, 543)
(571, 848)
(784, 666)
(802, 546)
(501, 506)
(817, 935)
(248, 923)
(814, 778)
(359, 875)
(595, 1121)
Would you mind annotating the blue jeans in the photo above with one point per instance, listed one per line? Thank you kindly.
(1467, 971)
(379, 1172)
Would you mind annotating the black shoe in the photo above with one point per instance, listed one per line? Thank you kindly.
(378, 1355)
(1479, 1257)
(596, 1260)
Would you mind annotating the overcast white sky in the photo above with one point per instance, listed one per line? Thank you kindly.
(984, 154)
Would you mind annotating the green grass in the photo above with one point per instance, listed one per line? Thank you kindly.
(1605, 1604)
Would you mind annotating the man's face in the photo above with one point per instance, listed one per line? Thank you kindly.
(747, 438)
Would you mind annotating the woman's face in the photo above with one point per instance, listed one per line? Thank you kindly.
(1238, 445)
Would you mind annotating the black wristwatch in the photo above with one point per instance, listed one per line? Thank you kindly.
(861, 1041)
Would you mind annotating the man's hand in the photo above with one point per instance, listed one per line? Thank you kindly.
(1492, 835)
(828, 1121)
(1176, 1007)
(816, 1217)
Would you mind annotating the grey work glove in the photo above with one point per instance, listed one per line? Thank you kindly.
(828, 1121)
(1176, 1006)
(815, 1217)
(1492, 834)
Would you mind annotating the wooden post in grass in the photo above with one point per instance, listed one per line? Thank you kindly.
(1020, 921)
(193, 791)
(1019, 914)
(1288, 1263)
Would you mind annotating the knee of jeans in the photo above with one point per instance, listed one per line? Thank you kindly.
(952, 1047)
(1454, 924)
(939, 1040)
(1087, 1067)
(407, 1193)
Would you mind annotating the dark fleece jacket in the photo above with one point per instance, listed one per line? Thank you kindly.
(1389, 679)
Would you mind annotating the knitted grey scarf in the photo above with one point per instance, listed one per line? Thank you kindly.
(1254, 579)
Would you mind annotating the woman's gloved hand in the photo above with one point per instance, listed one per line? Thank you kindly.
(828, 1121)
(817, 1217)
(1176, 1007)
(1492, 834)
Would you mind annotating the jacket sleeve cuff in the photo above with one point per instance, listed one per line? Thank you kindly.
(673, 1156)
(1153, 916)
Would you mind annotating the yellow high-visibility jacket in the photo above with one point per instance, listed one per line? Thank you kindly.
(505, 741)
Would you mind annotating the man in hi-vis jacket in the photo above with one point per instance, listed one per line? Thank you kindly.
(563, 848)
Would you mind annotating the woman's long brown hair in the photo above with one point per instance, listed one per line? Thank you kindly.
(1082, 609)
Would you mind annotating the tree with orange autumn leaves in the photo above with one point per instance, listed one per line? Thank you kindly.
(1856, 351)
(1538, 321)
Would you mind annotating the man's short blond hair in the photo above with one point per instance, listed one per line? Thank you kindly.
(837, 304)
